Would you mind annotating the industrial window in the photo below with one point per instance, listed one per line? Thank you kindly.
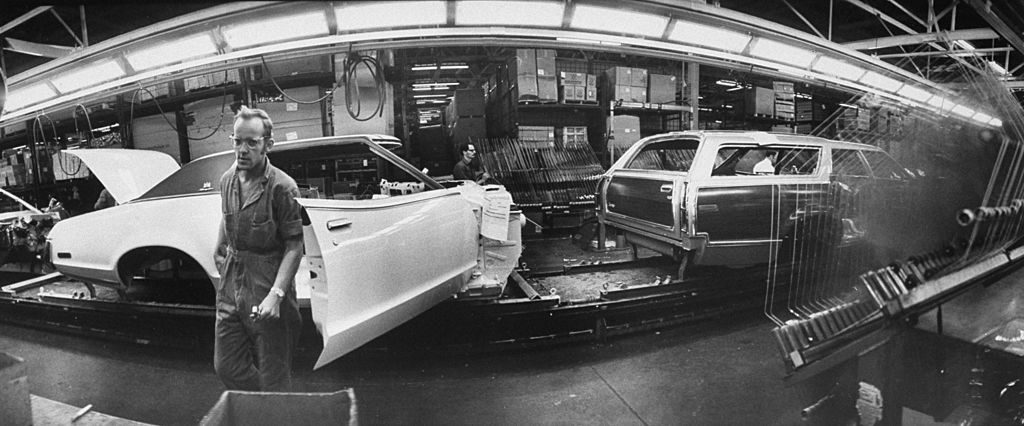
(673, 155)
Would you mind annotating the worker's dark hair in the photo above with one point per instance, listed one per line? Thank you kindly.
(464, 147)
(246, 113)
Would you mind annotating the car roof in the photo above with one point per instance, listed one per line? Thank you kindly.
(386, 141)
(768, 138)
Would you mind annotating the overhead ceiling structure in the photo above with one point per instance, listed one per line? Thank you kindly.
(241, 34)
(934, 39)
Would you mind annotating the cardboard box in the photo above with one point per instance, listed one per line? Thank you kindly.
(662, 89)
(590, 93)
(638, 94)
(547, 79)
(591, 80)
(572, 78)
(574, 135)
(468, 103)
(622, 93)
(638, 77)
(760, 101)
(624, 130)
(272, 408)
(301, 129)
(281, 109)
(620, 76)
(15, 402)
(537, 136)
(524, 67)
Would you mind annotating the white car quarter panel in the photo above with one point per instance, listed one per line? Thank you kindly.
(383, 262)
(96, 242)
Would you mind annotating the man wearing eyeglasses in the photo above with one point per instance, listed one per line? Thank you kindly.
(258, 253)
(466, 168)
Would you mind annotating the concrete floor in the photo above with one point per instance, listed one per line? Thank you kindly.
(723, 372)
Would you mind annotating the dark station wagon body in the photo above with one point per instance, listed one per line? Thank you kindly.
(694, 195)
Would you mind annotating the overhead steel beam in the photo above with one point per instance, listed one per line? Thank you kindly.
(886, 18)
(802, 18)
(922, 38)
(37, 49)
(1011, 32)
(21, 19)
(962, 53)
(66, 27)
(911, 15)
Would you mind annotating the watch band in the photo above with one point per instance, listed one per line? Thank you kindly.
(277, 291)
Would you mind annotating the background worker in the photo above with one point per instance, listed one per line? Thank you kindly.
(467, 168)
(258, 253)
(767, 165)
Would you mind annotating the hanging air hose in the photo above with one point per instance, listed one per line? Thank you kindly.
(348, 78)
(53, 146)
(220, 122)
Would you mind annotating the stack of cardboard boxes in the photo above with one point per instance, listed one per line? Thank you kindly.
(661, 89)
(784, 101)
(535, 75)
(577, 87)
(626, 84)
(464, 117)
(293, 120)
(537, 136)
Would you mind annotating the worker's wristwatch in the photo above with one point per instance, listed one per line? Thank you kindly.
(277, 291)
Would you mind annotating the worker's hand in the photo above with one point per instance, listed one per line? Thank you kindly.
(269, 308)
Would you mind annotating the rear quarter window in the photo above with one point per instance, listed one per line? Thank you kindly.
(846, 162)
(673, 155)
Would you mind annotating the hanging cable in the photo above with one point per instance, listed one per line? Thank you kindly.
(348, 78)
(287, 96)
(220, 122)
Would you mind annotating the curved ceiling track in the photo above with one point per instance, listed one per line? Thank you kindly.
(239, 34)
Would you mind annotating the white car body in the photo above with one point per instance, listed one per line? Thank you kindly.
(370, 265)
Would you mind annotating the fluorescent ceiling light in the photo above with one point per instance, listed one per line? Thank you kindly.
(429, 96)
(520, 13)
(729, 83)
(875, 79)
(88, 75)
(982, 117)
(618, 21)
(849, 106)
(914, 93)
(837, 68)
(734, 89)
(782, 53)
(964, 111)
(446, 83)
(454, 67)
(390, 14)
(703, 35)
(263, 31)
(996, 122)
(18, 98)
(172, 51)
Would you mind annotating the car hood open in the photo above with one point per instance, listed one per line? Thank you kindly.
(127, 173)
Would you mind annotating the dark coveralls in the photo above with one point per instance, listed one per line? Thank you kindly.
(256, 231)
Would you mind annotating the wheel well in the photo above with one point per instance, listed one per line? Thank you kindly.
(145, 257)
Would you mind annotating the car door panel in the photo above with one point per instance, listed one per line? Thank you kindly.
(375, 264)
(646, 198)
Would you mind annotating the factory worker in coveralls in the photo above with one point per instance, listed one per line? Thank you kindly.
(258, 252)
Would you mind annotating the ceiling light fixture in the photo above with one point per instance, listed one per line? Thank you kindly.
(518, 13)
(782, 53)
(837, 68)
(703, 35)
(390, 14)
(172, 51)
(270, 30)
(19, 98)
(618, 21)
(88, 75)
(875, 79)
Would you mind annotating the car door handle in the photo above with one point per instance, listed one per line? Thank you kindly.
(338, 223)
(666, 187)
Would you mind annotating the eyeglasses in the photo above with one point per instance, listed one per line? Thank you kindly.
(249, 142)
